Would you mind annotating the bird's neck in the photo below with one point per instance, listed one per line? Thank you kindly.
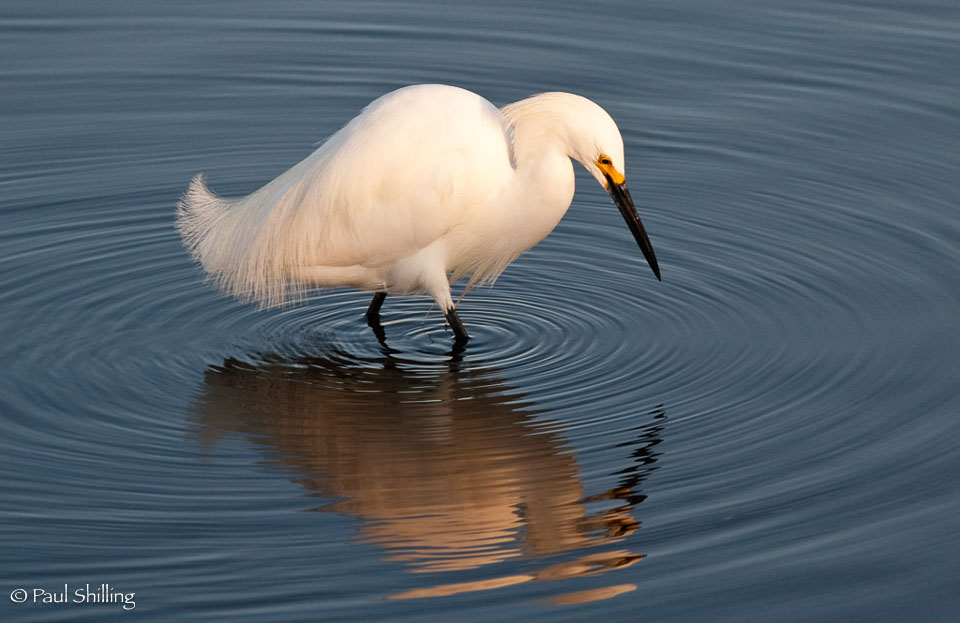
(540, 132)
(540, 149)
(536, 130)
(543, 182)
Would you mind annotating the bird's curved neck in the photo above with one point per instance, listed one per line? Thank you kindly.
(544, 180)
(537, 131)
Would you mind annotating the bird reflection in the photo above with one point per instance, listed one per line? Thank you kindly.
(446, 466)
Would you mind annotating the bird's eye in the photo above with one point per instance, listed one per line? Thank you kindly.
(604, 160)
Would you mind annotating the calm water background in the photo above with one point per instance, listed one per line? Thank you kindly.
(770, 434)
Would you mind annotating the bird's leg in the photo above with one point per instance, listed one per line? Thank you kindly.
(374, 310)
(438, 285)
(374, 323)
(460, 334)
(373, 317)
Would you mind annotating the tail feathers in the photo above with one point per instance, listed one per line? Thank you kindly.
(224, 236)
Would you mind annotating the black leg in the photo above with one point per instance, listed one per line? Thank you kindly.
(460, 334)
(374, 310)
(374, 323)
(373, 317)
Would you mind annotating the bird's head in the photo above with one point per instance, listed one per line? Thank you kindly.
(596, 143)
(585, 132)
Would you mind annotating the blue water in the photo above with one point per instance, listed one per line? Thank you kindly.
(767, 435)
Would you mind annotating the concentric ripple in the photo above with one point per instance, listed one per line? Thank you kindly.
(769, 431)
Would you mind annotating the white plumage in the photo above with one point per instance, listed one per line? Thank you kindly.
(430, 183)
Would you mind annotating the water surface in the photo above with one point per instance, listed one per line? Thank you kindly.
(768, 434)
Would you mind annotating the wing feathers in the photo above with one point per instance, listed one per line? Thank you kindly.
(398, 176)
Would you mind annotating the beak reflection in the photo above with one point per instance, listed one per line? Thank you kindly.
(453, 480)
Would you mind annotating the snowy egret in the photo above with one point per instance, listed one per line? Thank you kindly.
(428, 184)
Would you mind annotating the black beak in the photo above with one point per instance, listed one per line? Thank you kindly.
(621, 197)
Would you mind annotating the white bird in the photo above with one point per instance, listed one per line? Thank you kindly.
(428, 184)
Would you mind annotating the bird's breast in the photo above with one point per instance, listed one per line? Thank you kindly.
(512, 222)
(544, 193)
